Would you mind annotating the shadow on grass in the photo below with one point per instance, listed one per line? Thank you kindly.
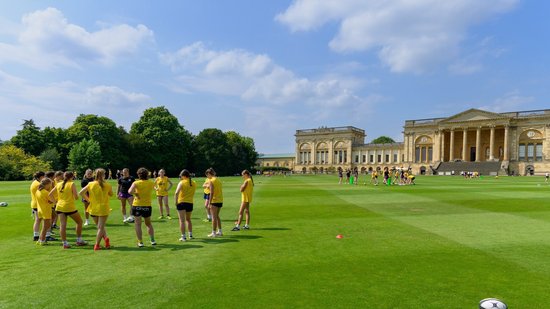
(273, 229)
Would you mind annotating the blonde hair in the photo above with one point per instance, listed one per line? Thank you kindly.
(100, 176)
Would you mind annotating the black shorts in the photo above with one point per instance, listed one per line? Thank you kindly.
(206, 196)
(219, 205)
(141, 211)
(185, 206)
(66, 213)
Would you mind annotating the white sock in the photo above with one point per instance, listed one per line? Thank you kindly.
(124, 217)
(183, 236)
(190, 234)
(36, 234)
(48, 234)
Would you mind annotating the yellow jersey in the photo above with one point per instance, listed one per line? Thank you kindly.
(187, 191)
(161, 184)
(246, 195)
(33, 189)
(43, 204)
(65, 199)
(207, 188)
(217, 195)
(99, 198)
(142, 196)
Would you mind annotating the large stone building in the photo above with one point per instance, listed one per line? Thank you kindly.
(474, 140)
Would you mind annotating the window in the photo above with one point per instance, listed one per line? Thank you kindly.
(387, 158)
(530, 151)
(417, 155)
(538, 152)
(356, 158)
(395, 157)
(364, 158)
(371, 160)
(430, 154)
(379, 158)
(521, 152)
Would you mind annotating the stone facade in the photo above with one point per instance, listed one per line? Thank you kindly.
(519, 140)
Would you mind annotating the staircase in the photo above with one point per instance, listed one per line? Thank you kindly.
(483, 168)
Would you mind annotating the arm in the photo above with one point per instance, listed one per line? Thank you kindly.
(170, 184)
(110, 191)
(83, 194)
(132, 190)
(75, 195)
(211, 187)
(178, 189)
(243, 186)
(51, 196)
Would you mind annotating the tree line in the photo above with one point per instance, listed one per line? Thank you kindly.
(157, 140)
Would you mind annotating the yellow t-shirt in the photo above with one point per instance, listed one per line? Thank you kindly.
(187, 191)
(33, 189)
(207, 188)
(217, 195)
(144, 189)
(43, 204)
(162, 186)
(99, 198)
(65, 199)
(246, 195)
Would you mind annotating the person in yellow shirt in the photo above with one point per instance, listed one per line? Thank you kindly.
(44, 207)
(185, 193)
(162, 186)
(65, 194)
(37, 177)
(99, 191)
(206, 196)
(215, 202)
(374, 178)
(246, 198)
(57, 178)
(142, 190)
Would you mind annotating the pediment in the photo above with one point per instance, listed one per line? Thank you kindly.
(474, 115)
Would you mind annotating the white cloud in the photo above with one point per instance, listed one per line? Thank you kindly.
(46, 39)
(114, 96)
(410, 36)
(511, 101)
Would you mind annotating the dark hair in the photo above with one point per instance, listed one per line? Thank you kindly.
(44, 182)
(211, 172)
(50, 174)
(66, 177)
(185, 173)
(143, 173)
(38, 175)
(58, 173)
(246, 172)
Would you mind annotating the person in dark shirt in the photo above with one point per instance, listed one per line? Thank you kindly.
(88, 177)
(124, 184)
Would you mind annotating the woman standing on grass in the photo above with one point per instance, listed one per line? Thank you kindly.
(246, 198)
(44, 209)
(124, 184)
(96, 194)
(65, 194)
(142, 190)
(57, 178)
(206, 190)
(88, 177)
(162, 186)
(215, 202)
(184, 195)
(38, 176)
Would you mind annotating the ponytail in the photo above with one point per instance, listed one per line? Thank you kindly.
(246, 172)
(43, 183)
(185, 173)
(66, 177)
(100, 176)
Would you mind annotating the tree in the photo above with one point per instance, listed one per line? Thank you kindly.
(57, 139)
(383, 140)
(30, 138)
(15, 164)
(212, 149)
(106, 133)
(243, 152)
(84, 155)
(161, 142)
(52, 156)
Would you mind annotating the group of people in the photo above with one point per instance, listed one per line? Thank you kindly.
(394, 176)
(53, 197)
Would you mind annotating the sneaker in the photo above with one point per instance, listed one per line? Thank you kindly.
(66, 246)
(140, 244)
(107, 243)
(168, 217)
(55, 227)
(206, 220)
(97, 248)
(86, 223)
(191, 237)
(183, 239)
(130, 220)
(125, 221)
(236, 229)
(219, 234)
(41, 243)
(161, 217)
(50, 238)
(212, 235)
(81, 243)
(246, 227)
(35, 238)
(153, 243)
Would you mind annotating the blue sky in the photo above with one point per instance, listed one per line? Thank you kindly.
(267, 68)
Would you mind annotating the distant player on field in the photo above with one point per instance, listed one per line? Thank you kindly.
(215, 202)
(162, 186)
(38, 176)
(246, 198)
(142, 189)
(124, 184)
(185, 193)
(88, 177)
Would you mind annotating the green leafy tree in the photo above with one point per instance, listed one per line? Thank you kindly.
(383, 140)
(52, 156)
(84, 155)
(29, 138)
(212, 149)
(106, 133)
(57, 139)
(160, 141)
(15, 164)
(243, 152)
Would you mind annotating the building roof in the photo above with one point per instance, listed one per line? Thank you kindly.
(275, 155)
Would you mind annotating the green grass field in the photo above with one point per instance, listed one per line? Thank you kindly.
(445, 243)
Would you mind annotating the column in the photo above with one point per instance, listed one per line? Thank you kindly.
(452, 146)
(442, 145)
(492, 144)
(330, 158)
(314, 153)
(436, 147)
(478, 144)
(464, 144)
(506, 142)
